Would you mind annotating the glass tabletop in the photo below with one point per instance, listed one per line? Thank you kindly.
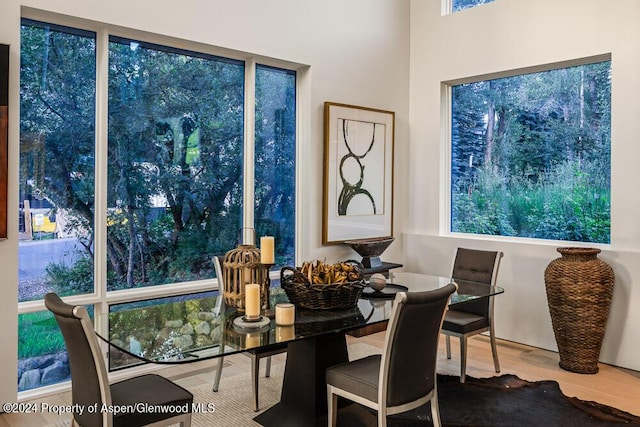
(197, 327)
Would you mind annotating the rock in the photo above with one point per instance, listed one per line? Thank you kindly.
(183, 342)
(206, 315)
(28, 363)
(203, 341)
(29, 379)
(216, 334)
(55, 373)
(46, 360)
(134, 345)
(173, 323)
(63, 357)
(118, 343)
(186, 329)
(203, 328)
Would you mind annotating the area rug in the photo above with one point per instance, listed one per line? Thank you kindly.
(503, 401)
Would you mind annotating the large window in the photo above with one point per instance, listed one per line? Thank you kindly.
(531, 155)
(145, 192)
(175, 163)
(276, 159)
(57, 143)
(457, 5)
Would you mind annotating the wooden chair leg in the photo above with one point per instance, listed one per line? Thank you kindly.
(216, 379)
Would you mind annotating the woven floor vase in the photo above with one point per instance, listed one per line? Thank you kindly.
(579, 287)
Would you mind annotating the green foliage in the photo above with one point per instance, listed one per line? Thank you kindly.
(38, 334)
(531, 155)
(570, 203)
(71, 280)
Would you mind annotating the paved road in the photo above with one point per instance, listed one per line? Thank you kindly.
(35, 255)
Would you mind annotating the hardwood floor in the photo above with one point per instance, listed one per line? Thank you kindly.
(611, 386)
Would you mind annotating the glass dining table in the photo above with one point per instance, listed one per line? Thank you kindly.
(198, 327)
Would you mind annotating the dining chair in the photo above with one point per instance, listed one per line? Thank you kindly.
(473, 317)
(254, 354)
(403, 377)
(90, 386)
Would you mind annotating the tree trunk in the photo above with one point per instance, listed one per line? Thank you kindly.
(491, 119)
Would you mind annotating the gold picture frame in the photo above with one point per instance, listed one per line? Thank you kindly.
(358, 173)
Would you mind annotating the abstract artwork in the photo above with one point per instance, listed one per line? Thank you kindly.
(4, 135)
(358, 173)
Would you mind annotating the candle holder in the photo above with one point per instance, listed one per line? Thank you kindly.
(285, 314)
(242, 323)
(242, 266)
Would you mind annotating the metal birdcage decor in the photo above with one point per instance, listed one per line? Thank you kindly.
(242, 266)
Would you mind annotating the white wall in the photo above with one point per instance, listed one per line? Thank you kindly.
(357, 51)
(8, 253)
(507, 35)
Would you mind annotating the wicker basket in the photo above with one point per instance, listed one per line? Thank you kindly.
(579, 288)
(334, 296)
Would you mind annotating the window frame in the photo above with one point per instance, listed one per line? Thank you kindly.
(101, 299)
(446, 103)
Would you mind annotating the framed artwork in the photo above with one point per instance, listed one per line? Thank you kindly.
(358, 173)
(4, 135)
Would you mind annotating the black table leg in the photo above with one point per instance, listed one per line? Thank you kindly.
(304, 389)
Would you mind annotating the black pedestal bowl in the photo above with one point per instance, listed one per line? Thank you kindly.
(370, 249)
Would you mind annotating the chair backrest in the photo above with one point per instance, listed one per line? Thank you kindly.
(408, 369)
(89, 380)
(217, 262)
(478, 266)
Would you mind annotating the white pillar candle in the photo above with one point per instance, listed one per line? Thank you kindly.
(285, 333)
(267, 245)
(285, 314)
(252, 300)
(246, 275)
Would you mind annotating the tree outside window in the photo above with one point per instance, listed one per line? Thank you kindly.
(458, 5)
(531, 155)
(176, 123)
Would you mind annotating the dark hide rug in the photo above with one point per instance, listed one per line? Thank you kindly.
(499, 401)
